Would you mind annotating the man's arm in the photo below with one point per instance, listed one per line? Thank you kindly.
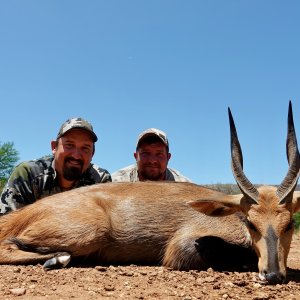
(127, 174)
(105, 176)
(174, 175)
(17, 191)
(98, 175)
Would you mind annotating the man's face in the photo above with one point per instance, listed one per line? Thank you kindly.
(152, 160)
(72, 154)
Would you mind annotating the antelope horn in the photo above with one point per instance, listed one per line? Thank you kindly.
(247, 188)
(290, 181)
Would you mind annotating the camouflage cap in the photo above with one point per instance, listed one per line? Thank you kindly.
(156, 132)
(77, 123)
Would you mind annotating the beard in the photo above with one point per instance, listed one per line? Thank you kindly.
(72, 173)
(150, 173)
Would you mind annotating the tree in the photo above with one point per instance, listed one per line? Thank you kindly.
(8, 158)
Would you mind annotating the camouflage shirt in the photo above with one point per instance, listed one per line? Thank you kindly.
(130, 173)
(36, 179)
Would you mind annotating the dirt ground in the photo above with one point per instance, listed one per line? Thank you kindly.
(135, 282)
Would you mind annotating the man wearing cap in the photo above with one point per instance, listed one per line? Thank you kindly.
(69, 167)
(152, 157)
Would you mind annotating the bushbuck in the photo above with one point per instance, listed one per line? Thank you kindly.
(178, 225)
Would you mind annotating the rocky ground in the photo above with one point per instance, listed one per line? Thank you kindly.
(135, 282)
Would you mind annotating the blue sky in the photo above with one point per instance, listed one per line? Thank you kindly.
(175, 65)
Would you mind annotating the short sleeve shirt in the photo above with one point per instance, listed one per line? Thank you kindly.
(130, 174)
(36, 179)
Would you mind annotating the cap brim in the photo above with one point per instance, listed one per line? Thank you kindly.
(151, 134)
(93, 135)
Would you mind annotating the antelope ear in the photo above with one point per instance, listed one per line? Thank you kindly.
(218, 207)
(296, 201)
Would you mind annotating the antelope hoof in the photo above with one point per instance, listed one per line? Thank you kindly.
(59, 261)
(272, 278)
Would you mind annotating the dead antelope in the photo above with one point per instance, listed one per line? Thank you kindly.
(180, 225)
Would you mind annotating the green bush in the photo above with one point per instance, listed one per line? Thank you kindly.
(226, 188)
(297, 221)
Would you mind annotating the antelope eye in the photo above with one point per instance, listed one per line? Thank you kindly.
(251, 226)
(290, 226)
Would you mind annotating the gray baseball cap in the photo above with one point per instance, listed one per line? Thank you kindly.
(77, 123)
(153, 131)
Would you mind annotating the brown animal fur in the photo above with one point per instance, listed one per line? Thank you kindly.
(146, 222)
(118, 222)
